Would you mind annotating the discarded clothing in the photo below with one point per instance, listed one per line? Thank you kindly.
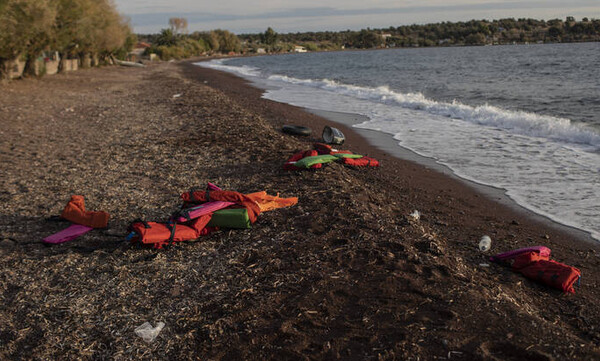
(241, 200)
(267, 202)
(204, 211)
(308, 162)
(535, 263)
(75, 212)
(544, 251)
(290, 164)
(187, 214)
(67, 234)
(158, 235)
(360, 162)
(326, 154)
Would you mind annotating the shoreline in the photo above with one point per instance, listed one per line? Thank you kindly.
(387, 143)
(362, 143)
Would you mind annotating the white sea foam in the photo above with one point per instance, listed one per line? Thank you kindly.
(518, 122)
(244, 70)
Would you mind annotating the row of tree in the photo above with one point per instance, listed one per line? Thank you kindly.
(474, 32)
(176, 43)
(74, 28)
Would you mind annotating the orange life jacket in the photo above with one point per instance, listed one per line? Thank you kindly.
(158, 235)
(75, 212)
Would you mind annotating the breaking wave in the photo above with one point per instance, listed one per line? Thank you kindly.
(517, 122)
(243, 70)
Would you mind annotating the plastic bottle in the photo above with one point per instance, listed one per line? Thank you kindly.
(485, 244)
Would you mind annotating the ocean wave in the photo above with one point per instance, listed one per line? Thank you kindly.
(517, 122)
(218, 64)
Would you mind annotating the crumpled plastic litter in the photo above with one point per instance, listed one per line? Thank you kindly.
(147, 332)
(415, 215)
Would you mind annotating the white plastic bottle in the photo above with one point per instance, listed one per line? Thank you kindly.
(485, 244)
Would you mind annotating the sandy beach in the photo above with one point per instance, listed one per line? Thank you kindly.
(345, 274)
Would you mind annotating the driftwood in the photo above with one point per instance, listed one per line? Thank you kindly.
(129, 63)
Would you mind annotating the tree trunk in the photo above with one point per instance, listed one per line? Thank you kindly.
(29, 67)
(3, 70)
(61, 63)
(86, 60)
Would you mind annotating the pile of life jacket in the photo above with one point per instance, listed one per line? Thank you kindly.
(535, 263)
(82, 220)
(191, 221)
(323, 153)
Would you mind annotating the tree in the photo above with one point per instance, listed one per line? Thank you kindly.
(228, 42)
(269, 37)
(25, 29)
(166, 38)
(178, 25)
(366, 39)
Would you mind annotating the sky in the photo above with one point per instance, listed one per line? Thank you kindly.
(284, 16)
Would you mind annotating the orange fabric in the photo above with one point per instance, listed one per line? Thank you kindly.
(225, 196)
(75, 212)
(159, 234)
(267, 203)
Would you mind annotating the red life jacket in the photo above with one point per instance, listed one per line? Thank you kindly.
(159, 235)
(542, 269)
(360, 162)
(289, 164)
(322, 149)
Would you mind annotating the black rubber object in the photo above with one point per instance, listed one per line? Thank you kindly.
(296, 130)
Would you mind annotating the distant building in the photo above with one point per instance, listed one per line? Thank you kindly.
(138, 51)
(299, 49)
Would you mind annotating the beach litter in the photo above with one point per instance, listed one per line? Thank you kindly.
(333, 135)
(176, 95)
(203, 212)
(147, 332)
(485, 244)
(322, 154)
(83, 221)
(535, 263)
(67, 234)
(415, 215)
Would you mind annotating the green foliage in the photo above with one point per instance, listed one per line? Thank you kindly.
(228, 42)
(366, 39)
(167, 38)
(473, 32)
(269, 37)
(71, 27)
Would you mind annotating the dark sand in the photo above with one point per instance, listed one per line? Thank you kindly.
(345, 274)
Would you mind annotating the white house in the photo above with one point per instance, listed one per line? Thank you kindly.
(299, 49)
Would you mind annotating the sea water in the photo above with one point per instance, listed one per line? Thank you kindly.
(525, 118)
